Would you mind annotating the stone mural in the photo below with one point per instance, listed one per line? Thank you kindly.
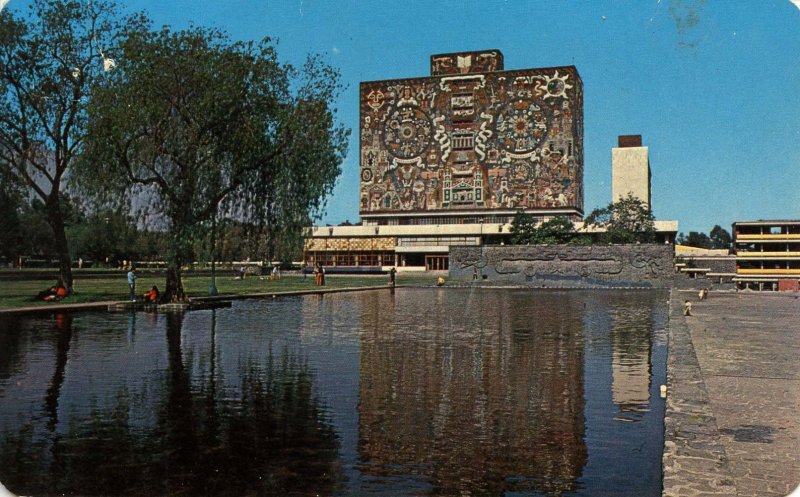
(472, 137)
(562, 266)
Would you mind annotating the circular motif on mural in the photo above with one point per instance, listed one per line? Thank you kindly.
(407, 132)
(366, 175)
(556, 87)
(521, 126)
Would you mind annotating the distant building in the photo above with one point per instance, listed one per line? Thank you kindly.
(630, 169)
(767, 254)
(447, 160)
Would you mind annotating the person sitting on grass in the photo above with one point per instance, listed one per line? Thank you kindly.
(151, 297)
(52, 294)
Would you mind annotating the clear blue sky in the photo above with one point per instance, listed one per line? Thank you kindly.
(712, 86)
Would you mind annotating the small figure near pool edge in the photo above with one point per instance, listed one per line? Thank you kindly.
(132, 282)
(392, 275)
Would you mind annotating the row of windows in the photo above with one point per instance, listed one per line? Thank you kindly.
(382, 258)
(443, 220)
(767, 247)
(768, 230)
(438, 240)
(768, 264)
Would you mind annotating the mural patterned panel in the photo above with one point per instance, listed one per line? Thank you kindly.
(567, 266)
(466, 140)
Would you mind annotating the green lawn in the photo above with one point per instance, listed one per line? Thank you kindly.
(20, 293)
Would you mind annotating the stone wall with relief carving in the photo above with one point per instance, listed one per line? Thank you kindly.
(562, 266)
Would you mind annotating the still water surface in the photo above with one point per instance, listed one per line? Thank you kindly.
(476, 392)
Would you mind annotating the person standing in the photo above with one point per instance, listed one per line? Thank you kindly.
(132, 282)
(392, 275)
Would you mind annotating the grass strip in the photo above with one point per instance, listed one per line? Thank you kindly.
(21, 293)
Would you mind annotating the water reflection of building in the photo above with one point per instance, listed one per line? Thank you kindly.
(484, 401)
(630, 361)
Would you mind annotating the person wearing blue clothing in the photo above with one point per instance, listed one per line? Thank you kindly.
(132, 282)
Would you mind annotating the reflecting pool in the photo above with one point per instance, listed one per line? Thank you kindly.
(480, 392)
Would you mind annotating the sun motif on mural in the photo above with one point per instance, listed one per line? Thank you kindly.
(407, 132)
(521, 126)
(555, 86)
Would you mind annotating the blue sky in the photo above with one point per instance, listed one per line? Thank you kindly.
(712, 86)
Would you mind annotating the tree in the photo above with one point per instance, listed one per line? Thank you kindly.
(284, 197)
(523, 226)
(696, 239)
(720, 238)
(554, 231)
(106, 233)
(201, 126)
(628, 220)
(11, 227)
(524, 230)
(48, 63)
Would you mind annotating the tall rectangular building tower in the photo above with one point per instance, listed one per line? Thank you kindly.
(471, 143)
(630, 169)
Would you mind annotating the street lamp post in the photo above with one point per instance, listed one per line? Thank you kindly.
(212, 290)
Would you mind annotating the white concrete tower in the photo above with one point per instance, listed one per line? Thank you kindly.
(630, 169)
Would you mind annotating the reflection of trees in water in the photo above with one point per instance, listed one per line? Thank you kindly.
(271, 437)
(10, 345)
(63, 325)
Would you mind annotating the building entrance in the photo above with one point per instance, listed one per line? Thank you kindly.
(437, 262)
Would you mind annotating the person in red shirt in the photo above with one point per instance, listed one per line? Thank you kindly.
(151, 296)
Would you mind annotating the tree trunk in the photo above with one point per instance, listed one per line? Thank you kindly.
(174, 290)
(56, 221)
(180, 252)
(63, 325)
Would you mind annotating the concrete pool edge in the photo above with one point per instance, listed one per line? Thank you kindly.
(104, 305)
(694, 461)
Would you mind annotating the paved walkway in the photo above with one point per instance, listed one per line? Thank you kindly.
(733, 408)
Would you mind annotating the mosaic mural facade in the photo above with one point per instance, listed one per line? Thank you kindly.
(472, 137)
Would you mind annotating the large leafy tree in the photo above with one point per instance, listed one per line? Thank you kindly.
(201, 126)
(628, 220)
(720, 237)
(49, 60)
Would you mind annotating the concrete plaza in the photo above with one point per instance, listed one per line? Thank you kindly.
(732, 423)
